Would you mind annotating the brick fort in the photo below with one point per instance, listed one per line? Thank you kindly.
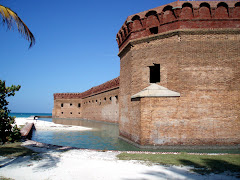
(179, 83)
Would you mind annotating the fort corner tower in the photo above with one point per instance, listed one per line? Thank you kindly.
(180, 75)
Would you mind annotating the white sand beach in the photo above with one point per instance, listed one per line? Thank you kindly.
(56, 163)
(67, 163)
(45, 125)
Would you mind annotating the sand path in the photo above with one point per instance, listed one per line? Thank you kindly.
(67, 163)
(55, 162)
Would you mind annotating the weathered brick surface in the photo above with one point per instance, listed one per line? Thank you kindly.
(197, 45)
(204, 68)
(98, 103)
(180, 15)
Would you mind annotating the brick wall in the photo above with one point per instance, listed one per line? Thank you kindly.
(98, 103)
(179, 15)
(203, 66)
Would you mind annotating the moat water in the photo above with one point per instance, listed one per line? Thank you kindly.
(103, 136)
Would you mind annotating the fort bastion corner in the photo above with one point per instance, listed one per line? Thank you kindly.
(179, 83)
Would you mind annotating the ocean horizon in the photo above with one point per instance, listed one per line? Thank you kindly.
(26, 115)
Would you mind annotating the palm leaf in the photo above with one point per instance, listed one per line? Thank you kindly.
(10, 18)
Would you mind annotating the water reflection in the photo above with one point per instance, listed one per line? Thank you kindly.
(104, 136)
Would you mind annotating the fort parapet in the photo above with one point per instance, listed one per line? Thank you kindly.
(180, 15)
(179, 83)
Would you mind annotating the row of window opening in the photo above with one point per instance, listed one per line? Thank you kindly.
(79, 104)
(100, 101)
(70, 113)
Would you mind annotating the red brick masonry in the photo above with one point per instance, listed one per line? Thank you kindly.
(180, 15)
(109, 85)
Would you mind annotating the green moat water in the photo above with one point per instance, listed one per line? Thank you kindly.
(104, 136)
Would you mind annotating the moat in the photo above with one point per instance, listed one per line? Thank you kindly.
(103, 136)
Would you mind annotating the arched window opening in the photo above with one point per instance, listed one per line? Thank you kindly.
(121, 35)
(205, 5)
(79, 105)
(152, 21)
(222, 4)
(222, 10)
(237, 4)
(153, 30)
(124, 31)
(137, 24)
(70, 104)
(62, 105)
(187, 11)
(236, 13)
(168, 14)
(187, 5)
(167, 8)
(136, 17)
(150, 13)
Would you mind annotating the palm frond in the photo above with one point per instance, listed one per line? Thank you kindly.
(10, 18)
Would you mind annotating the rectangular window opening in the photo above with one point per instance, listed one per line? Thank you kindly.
(155, 73)
(154, 30)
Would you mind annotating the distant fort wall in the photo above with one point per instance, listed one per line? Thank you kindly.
(98, 103)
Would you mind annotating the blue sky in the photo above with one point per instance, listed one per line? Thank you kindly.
(75, 48)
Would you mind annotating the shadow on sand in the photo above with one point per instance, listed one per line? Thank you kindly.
(47, 156)
(211, 169)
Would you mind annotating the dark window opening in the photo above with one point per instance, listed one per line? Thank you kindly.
(110, 98)
(78, 112)
(70, 112)
(62, 112)
(116, 97)
(105, 99)
(70, 104)
(62, 105)
(155, 73)
(153, 30)
(79, 105)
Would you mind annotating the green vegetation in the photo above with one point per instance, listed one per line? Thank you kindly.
(8, 131)
(201, 163)
(4, 178)
(15, 150)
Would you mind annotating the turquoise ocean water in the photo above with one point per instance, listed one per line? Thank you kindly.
(25, 115)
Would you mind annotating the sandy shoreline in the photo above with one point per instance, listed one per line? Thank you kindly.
(57, 162)
(45, 125)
